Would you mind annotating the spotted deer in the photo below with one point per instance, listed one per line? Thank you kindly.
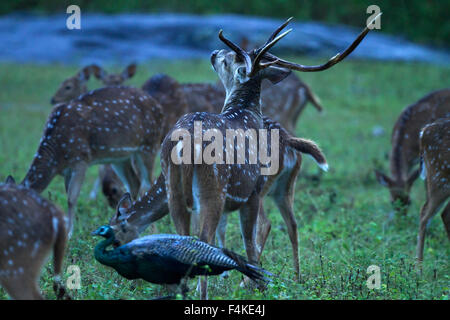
(31, 228)
(214, 188)
(291, 95)
(435, 165)
(404, 156)
(112, 125)
(132, 218)
(169, 93)
(73, 88)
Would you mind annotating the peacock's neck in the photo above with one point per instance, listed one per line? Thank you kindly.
(102, 255)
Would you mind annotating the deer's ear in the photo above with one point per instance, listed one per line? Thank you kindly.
(98, 72)
(129, 71)
(124, 204)
(383, 179)
(275, 74)
(241, 74)
(84, 74)
(10, 180)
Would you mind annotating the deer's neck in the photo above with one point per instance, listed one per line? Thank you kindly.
(244, 96)
(152, 207)
(405, 150)
(43, 168)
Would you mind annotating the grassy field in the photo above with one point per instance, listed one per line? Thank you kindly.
(344, 224)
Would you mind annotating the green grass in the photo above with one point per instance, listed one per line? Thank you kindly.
(343, 220)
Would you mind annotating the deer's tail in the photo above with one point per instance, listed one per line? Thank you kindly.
(59, 248)
(315, 100)
(310, 148)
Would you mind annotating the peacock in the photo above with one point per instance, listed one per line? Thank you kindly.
(169, 258)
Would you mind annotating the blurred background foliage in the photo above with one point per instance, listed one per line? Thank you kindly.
(422, 21)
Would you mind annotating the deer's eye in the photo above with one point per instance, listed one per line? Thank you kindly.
(225, 64)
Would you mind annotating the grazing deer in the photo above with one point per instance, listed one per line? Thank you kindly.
(132, 218)
(435, 155)
(30, 229)
(404, 155)
(214, 188)
(115, 125)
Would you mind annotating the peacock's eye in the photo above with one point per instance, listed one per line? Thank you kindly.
(68, 87)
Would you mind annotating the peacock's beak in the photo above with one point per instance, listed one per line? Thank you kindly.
(95, 233)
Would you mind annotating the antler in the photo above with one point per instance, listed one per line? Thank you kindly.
(334, 60)
(273, 39)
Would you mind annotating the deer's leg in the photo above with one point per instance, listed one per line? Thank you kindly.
(220, 235)
(211, 201)
(74, 180)
(144, 163)
(181, 217)
(446, 219)
(284, 199)
(248, 215)
(124, 170)
(428, 210)
(59, 248)
(23, 288)
(262, 230)
(221, 230)
(96, 186)
(284, 204)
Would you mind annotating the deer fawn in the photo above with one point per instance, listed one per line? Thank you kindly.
(435, 155)
(214, 188)
(113, 125)
(30, 229)
(131, 219)
(405, 144)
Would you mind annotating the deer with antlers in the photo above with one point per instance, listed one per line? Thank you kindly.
(405, 151)
(30, 229)
(132, 218)
(214, 188)
(115, 125)
(435, 156)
